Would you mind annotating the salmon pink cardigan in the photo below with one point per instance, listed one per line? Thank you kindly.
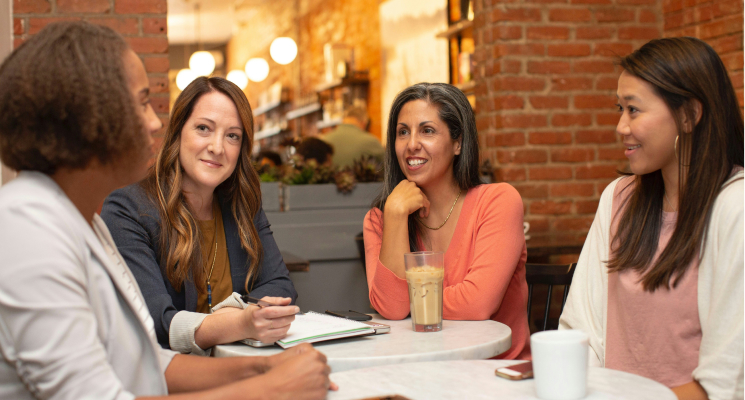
(484, 266)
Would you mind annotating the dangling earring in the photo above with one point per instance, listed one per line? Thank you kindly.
(676, 146)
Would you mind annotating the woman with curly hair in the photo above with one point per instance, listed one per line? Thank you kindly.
(77, 123)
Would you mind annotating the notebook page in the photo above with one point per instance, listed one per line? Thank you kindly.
(313, 324)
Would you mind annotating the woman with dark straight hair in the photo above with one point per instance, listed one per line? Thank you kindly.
(433, 200)
(659, 283)
(194, 233)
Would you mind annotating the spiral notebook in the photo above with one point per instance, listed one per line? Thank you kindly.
(314, 327)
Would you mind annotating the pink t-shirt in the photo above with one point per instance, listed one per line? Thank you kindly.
(656, 335)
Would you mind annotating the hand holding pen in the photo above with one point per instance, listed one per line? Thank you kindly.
(270, 319)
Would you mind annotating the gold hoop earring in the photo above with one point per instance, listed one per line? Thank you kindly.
(676, 146)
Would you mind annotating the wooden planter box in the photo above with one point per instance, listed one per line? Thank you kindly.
(319, 224)
(327, 196)
(270, 195)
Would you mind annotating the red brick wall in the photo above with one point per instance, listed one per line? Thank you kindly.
(718, 22)
(546, 84)
(141, 22)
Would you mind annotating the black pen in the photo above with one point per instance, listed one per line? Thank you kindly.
(261, 303)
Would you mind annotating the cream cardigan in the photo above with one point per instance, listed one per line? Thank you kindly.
(720, 291)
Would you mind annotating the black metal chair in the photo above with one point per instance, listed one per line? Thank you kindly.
(361, 249)
(551, 275)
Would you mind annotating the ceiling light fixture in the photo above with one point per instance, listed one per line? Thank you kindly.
(184, 78)
(239, 78)
(283, 50)
(257, 69)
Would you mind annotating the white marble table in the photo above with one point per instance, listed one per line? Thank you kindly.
(458, 340)
(476, 380)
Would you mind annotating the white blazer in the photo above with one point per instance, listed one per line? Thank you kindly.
(73, 323)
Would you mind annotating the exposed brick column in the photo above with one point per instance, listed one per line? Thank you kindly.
(141, 22)
(546, 83)
(718, 22)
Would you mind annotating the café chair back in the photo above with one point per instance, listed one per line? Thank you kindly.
(551, 275)
(361, 249)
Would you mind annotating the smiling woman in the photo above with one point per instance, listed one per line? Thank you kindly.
(194, 231)
(433, 200)
(659, 283)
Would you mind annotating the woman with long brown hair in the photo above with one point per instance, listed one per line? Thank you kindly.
(659, 282)
(194, 233)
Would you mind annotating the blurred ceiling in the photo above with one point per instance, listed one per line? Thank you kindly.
(202, 21)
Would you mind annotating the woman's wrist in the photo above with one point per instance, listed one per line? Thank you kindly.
(394, 211)
(247, 321)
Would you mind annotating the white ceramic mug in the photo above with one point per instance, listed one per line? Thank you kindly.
(560, 364)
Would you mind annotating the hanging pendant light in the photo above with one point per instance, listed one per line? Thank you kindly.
(184, 78)
(257, 69)
(238, 77)
(283, 50)
(202, 63)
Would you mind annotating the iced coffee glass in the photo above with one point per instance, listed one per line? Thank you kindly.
(424, 274)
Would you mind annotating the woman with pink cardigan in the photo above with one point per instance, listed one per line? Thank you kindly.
(433, 199)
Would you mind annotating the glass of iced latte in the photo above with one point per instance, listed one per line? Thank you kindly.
(424, 274)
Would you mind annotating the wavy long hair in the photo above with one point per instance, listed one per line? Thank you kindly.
(681, 70)
(180, 237)
(453, 109)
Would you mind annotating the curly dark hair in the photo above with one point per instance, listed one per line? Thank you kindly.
(65, 100)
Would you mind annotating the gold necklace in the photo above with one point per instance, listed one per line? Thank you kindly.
(209, 286)
(447, 218)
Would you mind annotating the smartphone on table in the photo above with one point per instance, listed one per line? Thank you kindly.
(353, 315)
(516, 372)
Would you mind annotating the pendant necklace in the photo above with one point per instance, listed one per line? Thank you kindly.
(209, 286)
(447, 218)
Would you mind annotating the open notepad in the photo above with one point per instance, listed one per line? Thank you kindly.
(315, 327)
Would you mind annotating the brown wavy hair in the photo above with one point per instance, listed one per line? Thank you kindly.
(180, 237)
(681, 70)
(65, 101)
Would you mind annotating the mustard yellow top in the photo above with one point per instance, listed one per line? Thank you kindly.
(221, 281)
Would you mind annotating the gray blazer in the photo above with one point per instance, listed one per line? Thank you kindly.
(73, 323)
(134, 223)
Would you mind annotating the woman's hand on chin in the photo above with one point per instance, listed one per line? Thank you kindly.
(407, 198)
(269, 324)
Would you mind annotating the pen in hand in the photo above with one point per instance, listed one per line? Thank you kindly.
(261, 303)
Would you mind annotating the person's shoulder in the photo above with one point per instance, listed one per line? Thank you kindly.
(27, 187)
(373, 217)
(33, 207)
(497, 192)
(495, 198)
(373, 213)
(35, 193)
(133, 195)
(731, 195)
(132, 200)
